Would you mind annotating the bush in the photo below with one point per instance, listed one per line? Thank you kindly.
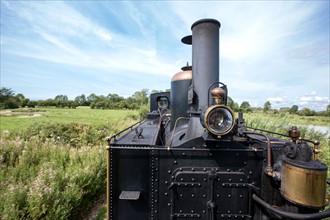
(53, 171)
(143, 111)
(50, 181)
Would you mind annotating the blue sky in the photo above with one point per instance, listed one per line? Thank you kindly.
(275, 51)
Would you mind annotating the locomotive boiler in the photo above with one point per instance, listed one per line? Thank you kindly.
(194, 158)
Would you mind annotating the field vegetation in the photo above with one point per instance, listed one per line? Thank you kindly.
(53, 166)
(53, 160)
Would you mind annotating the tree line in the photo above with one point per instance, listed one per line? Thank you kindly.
(10, 100)
(267, 108)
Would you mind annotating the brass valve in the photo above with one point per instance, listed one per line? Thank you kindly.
(294, 133)
(316, 150)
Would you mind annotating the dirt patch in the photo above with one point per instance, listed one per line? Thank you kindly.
(30, 115)
(92, 212)
(21, 114)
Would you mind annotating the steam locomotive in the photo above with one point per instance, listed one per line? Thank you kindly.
(191, 158)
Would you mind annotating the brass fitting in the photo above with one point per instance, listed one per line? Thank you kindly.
(218, 93)
(294, 133)
(316, 150)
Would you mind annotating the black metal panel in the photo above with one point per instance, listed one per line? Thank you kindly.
(179, 101)
(130, 173)
(149, 133)
(212, 184)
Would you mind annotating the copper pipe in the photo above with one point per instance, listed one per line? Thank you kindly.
(173, 132)
(269, 168)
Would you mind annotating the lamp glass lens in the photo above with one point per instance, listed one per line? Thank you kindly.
(220, 120)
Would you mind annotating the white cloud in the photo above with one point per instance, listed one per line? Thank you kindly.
(277, 100)
(267, 49)
(313, 101)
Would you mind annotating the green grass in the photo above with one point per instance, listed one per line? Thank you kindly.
(53, 166)
(290, 118)
(81, 115)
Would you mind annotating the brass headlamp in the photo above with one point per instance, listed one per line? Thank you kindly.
(218, 119)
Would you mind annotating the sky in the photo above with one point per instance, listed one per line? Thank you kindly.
(275, 51)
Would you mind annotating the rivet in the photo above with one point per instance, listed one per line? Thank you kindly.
(166, 182)
(183, 154)
(229, 196)
(168, 204)
(192, 195)
(166, 194)
(192, 169)
(204, 195)
(175, 162)
(169, 171)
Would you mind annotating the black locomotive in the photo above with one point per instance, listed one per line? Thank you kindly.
(191, 159)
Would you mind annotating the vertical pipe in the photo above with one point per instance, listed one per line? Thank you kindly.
(205, 58)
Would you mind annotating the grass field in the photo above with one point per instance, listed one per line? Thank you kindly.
(52, 161)
(22, 119)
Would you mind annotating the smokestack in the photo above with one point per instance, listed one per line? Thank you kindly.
(205, 59)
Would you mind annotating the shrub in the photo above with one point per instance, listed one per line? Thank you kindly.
(51, 171)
